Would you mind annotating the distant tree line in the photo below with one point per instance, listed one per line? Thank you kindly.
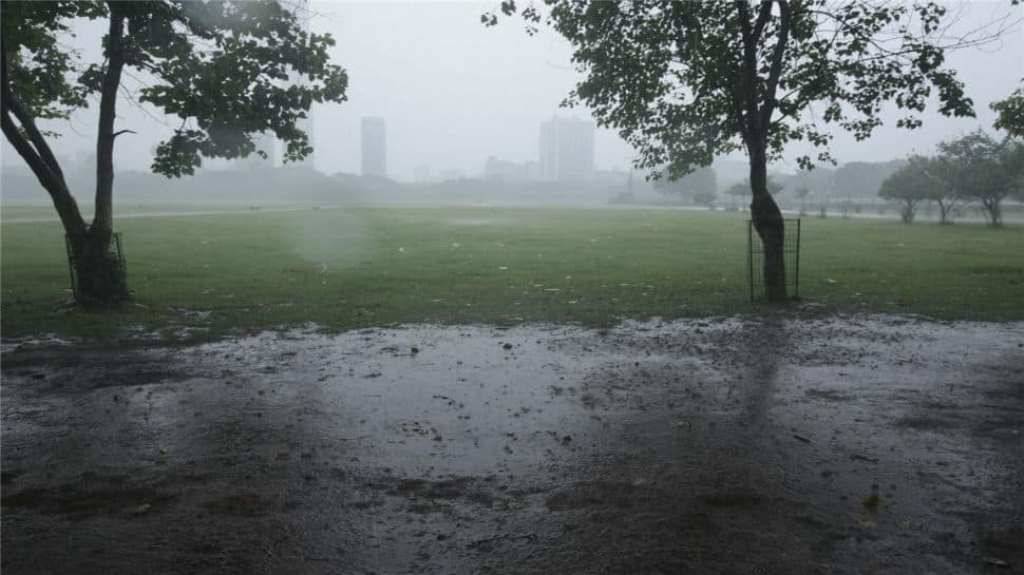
(975, 169)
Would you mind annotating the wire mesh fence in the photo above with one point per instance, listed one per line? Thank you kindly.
(791, 259)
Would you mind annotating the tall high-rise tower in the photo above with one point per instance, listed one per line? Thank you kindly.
(566, 149)
(374, 146)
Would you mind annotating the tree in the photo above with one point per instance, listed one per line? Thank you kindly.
(983, 170)
(862, 180)
(907, 186)
(699, 182)
(801, 193)
(705, 198)
(742, 189)
(686, 81)
(229, 71)
(1011, 113)
(737, 190)
(942, 175)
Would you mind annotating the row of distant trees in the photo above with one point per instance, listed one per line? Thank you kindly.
(974, 169)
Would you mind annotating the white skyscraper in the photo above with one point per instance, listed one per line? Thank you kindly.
(566, 149)
(374, 147)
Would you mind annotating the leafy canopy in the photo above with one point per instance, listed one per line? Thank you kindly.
(975, 164)
(686, 81)
(911, 182)
(1011, 113)
(228, 70)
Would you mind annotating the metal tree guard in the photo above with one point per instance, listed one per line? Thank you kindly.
(790, 257)
(73, 259)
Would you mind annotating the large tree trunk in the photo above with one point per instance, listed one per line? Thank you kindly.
(99, 272)
(995, 211)
(944, 209)
(100, 278)
(907, 211)
(768, 222)
(103, 220)
(100, 275)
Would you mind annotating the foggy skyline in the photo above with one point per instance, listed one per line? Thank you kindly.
(454, 92)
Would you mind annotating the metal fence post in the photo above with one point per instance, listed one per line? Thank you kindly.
(796, 278)
(750, 257)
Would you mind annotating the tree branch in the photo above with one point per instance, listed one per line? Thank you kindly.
(103, 219)
(747, 90)
(763, 15)
(119, 132)
(49, 176)
(776, 68)
(28, 125)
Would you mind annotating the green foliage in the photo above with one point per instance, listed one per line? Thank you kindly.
(909, 182)
(1011, 113)
(908, 186)
(40, 66)
(699, 182)
(983, 169)
(862, 179)
(227, 70)
(686, 81)
(705, 198)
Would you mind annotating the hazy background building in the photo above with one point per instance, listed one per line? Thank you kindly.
(502, 170)
(566, 149)
(375, 147)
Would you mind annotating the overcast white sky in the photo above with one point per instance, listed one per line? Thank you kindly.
(454, 92)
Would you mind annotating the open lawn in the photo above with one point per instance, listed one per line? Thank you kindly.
(360, 266)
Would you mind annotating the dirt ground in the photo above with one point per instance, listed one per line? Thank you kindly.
(848, 445)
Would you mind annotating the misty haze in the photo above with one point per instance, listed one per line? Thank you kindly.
(545, 286)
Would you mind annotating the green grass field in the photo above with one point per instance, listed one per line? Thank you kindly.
(371, 266)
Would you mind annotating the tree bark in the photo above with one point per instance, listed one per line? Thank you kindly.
(754, 117)
(767, 219)
(102, 223)
(100, 274)
(100, 277)
(995, 211)
(944, 209)
(908, 210)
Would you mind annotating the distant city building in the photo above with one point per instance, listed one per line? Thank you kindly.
(421, 174)
(375, 147)
(452, 175)
(501, 170)
(512, 171)
(566, 149)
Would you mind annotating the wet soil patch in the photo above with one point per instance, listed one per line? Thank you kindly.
(242, 504)
(869, 444)
(83, 500)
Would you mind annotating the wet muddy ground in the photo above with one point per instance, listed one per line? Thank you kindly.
(856, 445)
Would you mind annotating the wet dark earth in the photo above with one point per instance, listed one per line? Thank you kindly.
(854, 445)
